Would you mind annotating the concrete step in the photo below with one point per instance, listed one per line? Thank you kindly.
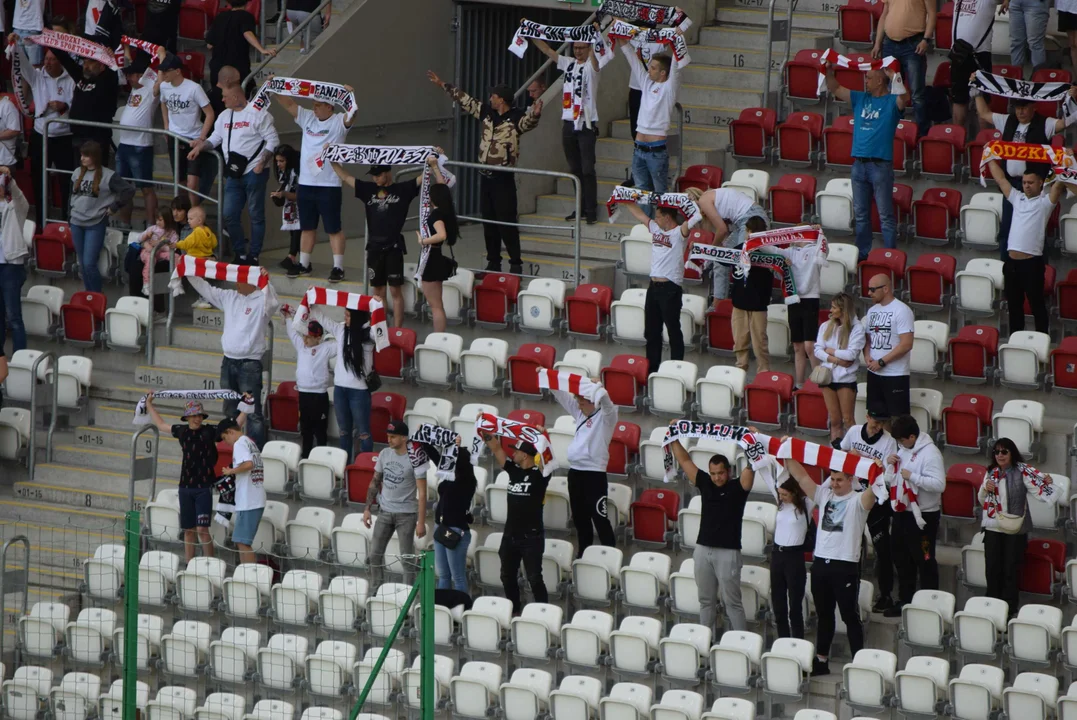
(167, 377)
(25, 508)
(781, 8)
(694, 134)
(727, 38)
(752, 57)
(600, 231)
(803, 19)
(208, 361)
(209, 340)
(621, 151)
(554, 247)
(109, 491)
(118, 439)
(110, 461)
(723, 96)
(727, 77)
(63, 548)
(605, 188)
(709, 117)
(126, 395)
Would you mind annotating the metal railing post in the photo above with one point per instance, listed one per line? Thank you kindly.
(10, 582)
(269, 370)
(132, 539)
(770, 48)
(576, 232)
(680, 144)
(31, 459)
(171, 298)
(55, 410)
(43, 199)
(144, 468)
(427, 702)
(788, 46)
(317, 13)
(281, 19)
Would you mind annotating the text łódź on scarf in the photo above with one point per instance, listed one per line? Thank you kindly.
(799, 235)
(731, 257)
(1002, 150)
(620, 30)
(75, 45)
(344, 154)
(561, 34)
(442, 440)
(645, 13)
(325, 92)
(1020, 89)
(488, 424)
(379, 330)
(142, 417)
(14, 56)
(622, 195)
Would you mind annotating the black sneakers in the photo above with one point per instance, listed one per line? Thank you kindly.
(336, 275)
(287, 264)
(819, 667)
(883, 604)
(516, 269)
(894, 611)
(296, 270)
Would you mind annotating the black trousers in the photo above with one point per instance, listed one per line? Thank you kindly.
(1002, 559)
(662, 307)
(313, 420)
(587, 497)
(59, 158)
(879, 527)
(914, 553)
(1024, 278)
(836, 583)
(1003, 236)
(294, 242)
(635, 97)
(788, 578)
(526, 547)
(579, 148)
(497, 201)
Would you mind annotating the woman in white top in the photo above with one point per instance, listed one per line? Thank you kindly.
(351, 396)
(838, 347)
(788, 574)
(313, 356)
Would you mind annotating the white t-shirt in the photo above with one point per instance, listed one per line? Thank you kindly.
(883, 325)
(841, 525)
(1030, 216)
(1069, 6)
(667, 253)
(731, 205)
(316, 135)
(28, 15)
(139, 112)
(10, 119)
(972, 22)
(572, 94)
(882, 448)
(184, 104)
(93, 14)
(1015, 168)
(250, 494)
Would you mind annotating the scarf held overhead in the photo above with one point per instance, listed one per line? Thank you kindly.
(799, 235)
(887, 63)
(1001, 150)
(677, 201)
(487, 424)
(443, 441)
(187, 266)
(561, 34)
(568, 382)
(14, 56)
(645, 13)
(701, 252)
(142, 416)
(620, 30)
(1019, 89)
(352, 301)
(325, 92)
(75, 45)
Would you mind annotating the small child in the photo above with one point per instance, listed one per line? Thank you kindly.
(156, 241)
(250, 497)
(200, 243)
(285, 198)
(181, 205)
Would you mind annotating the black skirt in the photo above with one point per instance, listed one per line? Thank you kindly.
(438, 267)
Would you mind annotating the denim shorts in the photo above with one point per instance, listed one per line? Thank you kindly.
(136, 164)
(316, 201)
(246, 526)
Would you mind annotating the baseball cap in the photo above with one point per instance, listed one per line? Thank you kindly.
(193, 407)
(225, 425)
(397, 427)
(314, 328)
(379, 169)
(171, 62)
(525, 447)
(877, 415)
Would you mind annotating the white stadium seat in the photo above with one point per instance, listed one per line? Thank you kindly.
(125, 324)
(437, 359)
(482, 366)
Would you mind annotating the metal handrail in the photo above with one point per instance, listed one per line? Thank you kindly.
(10, 576)
(680, 138)
(544, 66)
(788, 46)
(171, 306)
(140, 466)
(31, 460)
(176, 184)
(171, 298)
(317, 13)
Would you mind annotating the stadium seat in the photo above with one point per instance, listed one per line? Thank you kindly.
(595, 575)
(669, 388)
(934, 216)
(905, 147)
(625, 379)
(927, 621)
(308, 534)
(54, 251)
(978, 632)
(393, 362)
(942, 152)
(735, 661)
(328, 667)
(751, 135)
(902, 198)
(576, 698)
(978, 288)
(929, 282)
(283, 408)
(82, 319)
(624, 448)
(868, 681)
(703, 177)
(784, 668)
(838, 142)
(75, 374)
(172, 701)
(634, 646)
(125, 324)
(767, 399)
(103, 573)
(587, 363)
(645, 580)
(999, 103)
(199, 585)
(474, 692)
(626, 316)
(653, 515)
(980, 221)
(482, 366)
(1022, 422)
(1063, 370)
(321, 475)
(1066, 298)
(587, 310)
(437, 359)
(851, 77)
(523, 368)
(882, 261)
(834, 206)
(185, 651)
(15, 429)
(540, 306)
(810, 415)
(801, 80)
(194, 65)
(799, 137)
(966, 423)
(974, 150)
(857, 21)
(635, 248)
(928, 347)
(495, 299)
(1023, 360)
(720, 328)
(792, 200)
(357, 477)
(1050, 109)
(385, 406)
(156, 577)
(41, 310)
(719, 395)
(944, 23)
(943, 79)
(922, 685)
(1036, 632)
(626, 701)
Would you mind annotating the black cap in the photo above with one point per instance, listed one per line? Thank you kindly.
(503, 91)
(379, 169)
(225, 425)
(171, 62)
(314, 329)
(525, 447)
(397, 427)
(878, 415)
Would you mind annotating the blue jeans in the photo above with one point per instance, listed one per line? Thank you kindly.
(35, 52)
(245, 376)
(873, 179)
(650, 170)
(1028, 26)
(12, 277)
(451, 565)
(249, 190)
(88, 241)
(352, 407)
(914, 73)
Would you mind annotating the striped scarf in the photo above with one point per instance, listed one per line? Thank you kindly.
(620, 30)
(676, 201)
(731, 257)
(1003, 150)
(568, 382)
(488, 424)
(1019, 89)
(75, 45)
(645, 13)
(14, 55)
(379, 331)
(443, 440)
(1036, 482)
(325, 92)
(142, 417)
(560, 34)
(887, 63)
(146, 47)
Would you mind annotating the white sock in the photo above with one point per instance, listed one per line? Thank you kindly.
(304, 259)
(338, 261)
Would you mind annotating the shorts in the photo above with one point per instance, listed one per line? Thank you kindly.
(438, 267)
(841, 386)
(888, 395)
(385, 266)
(319, 200)
(961, 72)
(189, 167)
(1067, 22)
(135, 164)
(246, 526)
(196, 507)
(804, 320)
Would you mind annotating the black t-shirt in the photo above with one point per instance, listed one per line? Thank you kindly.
(723, 510)
(386, 210)
(229, 45)
(527, 492)
(753, 292)
(199, 455)
(162, 22)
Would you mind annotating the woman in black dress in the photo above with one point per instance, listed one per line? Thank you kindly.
(443, 228)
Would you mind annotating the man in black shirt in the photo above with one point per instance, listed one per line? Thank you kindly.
(231, 37)
(717, 554)
(162, 23)
(751, 296)
(525, 537)
(97, 90)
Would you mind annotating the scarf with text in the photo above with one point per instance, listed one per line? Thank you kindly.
(142, 416)
(798, 235)
(1019, 89)
(700, 253)
(397, 155)
(1036, 483)
(14, 56)
(645, 13)
(620, 30)
(146, 47)
(379, 331)
(897, 86)
(622, 195)
(568, 382)
(576, 94)
(75, 45)
(443, 441)
(560, 34)
(1003, 150)
(325, 92)
(488, 424)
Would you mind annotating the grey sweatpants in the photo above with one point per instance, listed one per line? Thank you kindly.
(718, 571)
(403, 524)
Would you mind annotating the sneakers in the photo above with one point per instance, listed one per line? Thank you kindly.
(883, 604)
(571, 215)
(819, 667)
(493, 266)
(336, 275)
(287, 264)
(253, 261)
(590, 220)
(201, 305)
(894, 611)
(516, 269)
(298, 270)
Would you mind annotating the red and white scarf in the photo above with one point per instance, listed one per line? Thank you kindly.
(677, 201)
(146, 47)
(488, 424)
(379, 330)
(326, 92)
(1036, 483)
(799, 235)
(1003, 150)
(646, 13)
(887, 63)
(700, 253)
(187, 266)
(568, 382)
(561, 34)
(903, 495)
(14, 56)
(75, 45)
(620, 30)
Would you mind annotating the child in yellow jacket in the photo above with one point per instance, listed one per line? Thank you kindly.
(199, 244)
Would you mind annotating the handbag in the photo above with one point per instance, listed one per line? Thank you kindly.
(821, 375)
(447, 536)
(1010, 524)
(235, 165)
(373, 381)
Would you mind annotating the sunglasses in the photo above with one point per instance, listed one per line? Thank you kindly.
(1001, 451)
(877, 287)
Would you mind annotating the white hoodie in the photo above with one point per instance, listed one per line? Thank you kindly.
(927, 472)
(13, 247)
(590, 448)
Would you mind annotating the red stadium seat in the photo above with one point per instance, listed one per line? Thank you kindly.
(857, 22)
(975, 149)
(523, 368)
(851, 78)
(194, 65)
(720, 328)
(624, 447)
(935, 216)
(1066, 297)
(792, 199)
(959, 497)
(195, 17)
(704, 237)
(82, 318)
(1064, 366)
(358, 476)
(1049, 274)
(802, 76)
(1050, 109)
(54, 252)
(751, 135)
(767, 399)
(704, 177)
(653, 515)
(625, 380)
(1053, 550)
(904, 147)
(809, 410)
(902, 197)
(942, 152)
(944, 26)
(966, 423)
(972, 354)
(392, 362)
(530, 417)
(929, 281)
(588, 309)
(495, 299)
(799, 138)
(283, 408)
(998, 103)
(942, 75)
(838, 142)
(385, 406)
(1037, 573)
(882, 261)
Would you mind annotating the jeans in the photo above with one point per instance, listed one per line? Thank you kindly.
(1028, 26)
(245, 376)
(836, 583)
(451, 565)
(35, 52)
(525, 546)
(650, 170)
(914, 72)
(873, 180)
(718, 571)
(1002, 562)
(579, 147)
(12, 277)
(663, 307)
(403, 524)
(313, 29)
(248, 190)
(1025, 278)
(914, 553)
(352, 407)
(88, 241)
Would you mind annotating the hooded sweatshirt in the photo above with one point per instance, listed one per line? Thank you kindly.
(13, 247)
(95, 97)
(245, 316)
(590, 448)
(927, 471)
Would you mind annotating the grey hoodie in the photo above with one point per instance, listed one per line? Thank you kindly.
(114, 192)
(12, 216)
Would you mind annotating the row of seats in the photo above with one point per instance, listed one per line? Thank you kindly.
(85, 320)
(73, 378)
(1045, 570)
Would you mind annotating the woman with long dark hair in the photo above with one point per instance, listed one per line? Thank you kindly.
(443, 229)
(788, 574)
(286, 159)
(838, 347)
(96, 193)
(1008, 486)
(453, 511)
(351, 396)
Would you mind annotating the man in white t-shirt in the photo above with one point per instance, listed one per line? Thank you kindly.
(888, 328)
(1024, 267)
(250, 500)
(183, 103)
(134, 154)
(972, 23)
(10, 130)
(319, 193)
(579, 120)
(644, 51)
